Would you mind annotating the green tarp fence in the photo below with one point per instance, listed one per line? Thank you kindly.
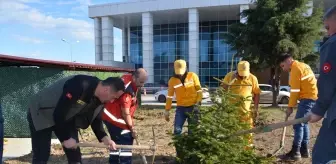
(19, 84)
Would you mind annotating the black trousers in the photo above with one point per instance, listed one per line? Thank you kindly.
(41, 142)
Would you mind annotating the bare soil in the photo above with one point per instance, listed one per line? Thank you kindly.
(266, 143)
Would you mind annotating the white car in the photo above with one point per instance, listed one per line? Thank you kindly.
(161, 96)
(284, 88)
(266, 95)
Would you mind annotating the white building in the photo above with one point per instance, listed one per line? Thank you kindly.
(157, 32)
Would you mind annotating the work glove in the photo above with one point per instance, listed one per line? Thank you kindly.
(166, 114)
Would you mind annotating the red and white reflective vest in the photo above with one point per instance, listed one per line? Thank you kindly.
(112, 112)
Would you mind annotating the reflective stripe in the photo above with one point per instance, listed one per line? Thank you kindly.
(188, 83)
(127, 84)
(199, 91)
(179, 85)
(308, 76)
(122, 154)
(170, 97)
(295, 90)
(125, 132)
(113, 117)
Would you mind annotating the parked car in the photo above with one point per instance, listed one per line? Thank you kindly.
(285, 88)
(266, 95)
(153, 87)
(161, 95)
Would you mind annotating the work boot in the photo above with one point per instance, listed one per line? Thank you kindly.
(304, 150)
(294, 154)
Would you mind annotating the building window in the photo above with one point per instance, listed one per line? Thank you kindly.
(170, 42)
(215, 57)
(136, 46)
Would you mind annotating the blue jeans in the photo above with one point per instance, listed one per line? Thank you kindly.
(118, 135)
(301, 131)
(182, 114)
(1, 133)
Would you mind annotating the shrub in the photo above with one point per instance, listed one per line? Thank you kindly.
(208, 142)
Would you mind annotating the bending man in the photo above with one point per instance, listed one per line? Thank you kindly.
(238, 79)
(118, 116)
(69, 104)
(303, 88)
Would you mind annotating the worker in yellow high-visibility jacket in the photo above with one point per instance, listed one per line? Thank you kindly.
(245, 84)
(303, 88)
(188, 92)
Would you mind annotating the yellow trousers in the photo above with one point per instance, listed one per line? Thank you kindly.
(246, 116)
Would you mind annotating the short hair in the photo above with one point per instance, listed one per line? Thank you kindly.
(116, 83)
(283, 57)
(331, 12)
(137, 72)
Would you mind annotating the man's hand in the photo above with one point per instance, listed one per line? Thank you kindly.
(70, 143)
(289, 111)
(134, 133)
(166, 114)
(108, 142)
(314, 117)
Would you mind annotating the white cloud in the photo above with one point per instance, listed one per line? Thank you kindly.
(31, 54)
(65, 2)
(28, 39)
(35, 54)
(82, 8)
(24, 14)
(30, 1)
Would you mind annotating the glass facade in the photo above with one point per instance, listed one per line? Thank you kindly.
(170, 43)
(216, 56)
(136, 46)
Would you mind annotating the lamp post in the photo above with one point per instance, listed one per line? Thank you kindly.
(70, 47)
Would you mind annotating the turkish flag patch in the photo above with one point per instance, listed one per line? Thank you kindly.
(326, 67)
(68, 95)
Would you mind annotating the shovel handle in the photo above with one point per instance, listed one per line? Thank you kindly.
(271, 127)
(144, 160)
(284, 133)
(99, 145)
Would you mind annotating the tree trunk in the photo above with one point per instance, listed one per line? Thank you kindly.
(275, 75)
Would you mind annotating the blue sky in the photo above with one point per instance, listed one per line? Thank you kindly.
(35, 29)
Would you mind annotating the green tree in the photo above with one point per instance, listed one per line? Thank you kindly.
(209, 142)
(274, 27)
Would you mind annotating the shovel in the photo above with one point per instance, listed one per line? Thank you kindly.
(282, 142)
(271, 127)
(144, 160)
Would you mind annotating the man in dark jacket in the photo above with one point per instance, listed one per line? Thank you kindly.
(69, 104)
(324, 150)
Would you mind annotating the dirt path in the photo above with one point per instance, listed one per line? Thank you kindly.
(146, 119)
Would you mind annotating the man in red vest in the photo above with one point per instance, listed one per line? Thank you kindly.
(118, 116)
